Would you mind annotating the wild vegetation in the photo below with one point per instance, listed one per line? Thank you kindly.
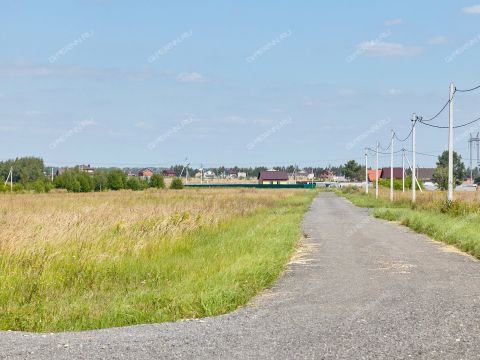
(75, 180)
(73, 261)
(456, 223)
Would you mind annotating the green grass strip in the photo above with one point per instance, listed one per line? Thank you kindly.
(209, 272)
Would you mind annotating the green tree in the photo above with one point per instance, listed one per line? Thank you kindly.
(440, 177)
(117, 179)
(176, 184)
(459, 171)
(157, 181)
(86, 181)
(353, 171)
(25, 170)
(133, 183)
(100, 181)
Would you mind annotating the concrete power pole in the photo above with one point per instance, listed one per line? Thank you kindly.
(414, 160)
(366, 171)
(391, 167)
(376, 174)
(403, 170)
(450, 145)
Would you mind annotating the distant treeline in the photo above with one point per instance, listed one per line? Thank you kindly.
(30, 174)
(75, 180)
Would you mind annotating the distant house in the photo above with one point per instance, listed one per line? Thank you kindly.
(339, 178)
(327, 175)
(169, 173)
(87, 169)
(372, 174)
(145, 174)
(425, 174)
(397, 173)
(242, 175)
(209, 174)
(232, 173)
(272, 177)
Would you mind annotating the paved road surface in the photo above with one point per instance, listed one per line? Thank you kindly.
(362, 288)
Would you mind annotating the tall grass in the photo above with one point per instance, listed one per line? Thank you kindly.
(85, 261)
(456, 223)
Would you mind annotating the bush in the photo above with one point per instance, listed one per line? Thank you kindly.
(100, 181)
(157, 181)
(37, 186)
(18, 188)
(74, 180)
(133, 183)
(397, 183)
(116, 179)
(176, 184)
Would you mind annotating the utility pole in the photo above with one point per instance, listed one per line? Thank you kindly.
(470, 143)
(376, 174)
(52, 173)
(201, 174)
(403, 170)
(391, 167)
(450, 144)
(10, 176)
(416, 179)
(414, 160)
(366, 171)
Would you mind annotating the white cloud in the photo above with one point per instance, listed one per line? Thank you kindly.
(475, 9)
(373, 48)
(140, 124)
(391, 22)
(438, 40)
(346, 92)
(192, 77)
(394, 92)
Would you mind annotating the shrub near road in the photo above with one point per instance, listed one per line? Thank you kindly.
(97, 260)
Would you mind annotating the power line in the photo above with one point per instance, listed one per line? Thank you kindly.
(441, 110)
(405, 139)
(383, 153)
(446, 127)
(421, 153)
(468, 90)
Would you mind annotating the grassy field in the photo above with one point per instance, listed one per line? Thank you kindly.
(97, 260)
(456, 223)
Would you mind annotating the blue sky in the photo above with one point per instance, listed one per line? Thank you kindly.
(134, 83)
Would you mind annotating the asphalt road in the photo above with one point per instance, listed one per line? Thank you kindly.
(360, 288)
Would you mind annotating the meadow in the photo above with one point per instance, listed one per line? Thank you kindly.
(456, 223)
(97, 260)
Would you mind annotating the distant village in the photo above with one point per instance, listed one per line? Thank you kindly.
(277, 175)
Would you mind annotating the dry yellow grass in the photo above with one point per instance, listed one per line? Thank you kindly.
(31, 220)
